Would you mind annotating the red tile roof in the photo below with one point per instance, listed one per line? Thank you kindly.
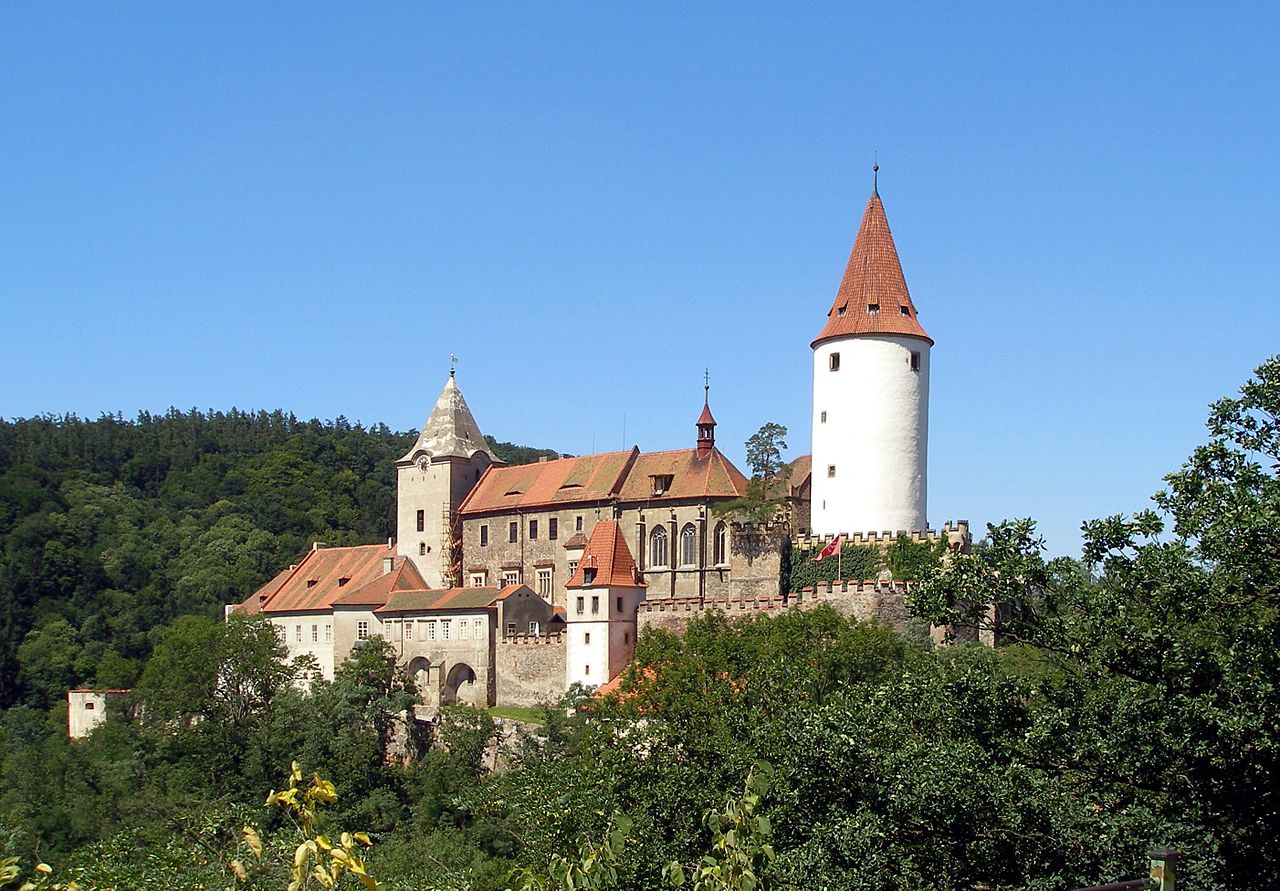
(607, 553)
(321, 577)
(404, 577)
(705, 417)
(709, 475)
(801, 468)
(873, 277)
(578, 541)
(451, 598)
(546, 483)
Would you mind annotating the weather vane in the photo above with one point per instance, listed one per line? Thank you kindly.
(706, 385)
(453, 362)
(875, 173)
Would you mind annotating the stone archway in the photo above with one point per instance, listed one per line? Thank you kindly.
(460, 676)
(419, 670)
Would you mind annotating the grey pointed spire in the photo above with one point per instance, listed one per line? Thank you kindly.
(450, 431)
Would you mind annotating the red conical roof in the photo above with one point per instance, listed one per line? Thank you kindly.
(705, 418)
(873, 296)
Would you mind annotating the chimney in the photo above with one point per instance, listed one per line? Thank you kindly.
(387, 564)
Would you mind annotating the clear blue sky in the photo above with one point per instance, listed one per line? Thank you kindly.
(309, 206)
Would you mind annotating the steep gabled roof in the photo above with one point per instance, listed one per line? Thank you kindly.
(321, 577)
(587, 479)
(450, 431)
(607, 553)
(872, 278)
(709, 475)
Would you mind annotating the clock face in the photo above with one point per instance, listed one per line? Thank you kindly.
(423, 463)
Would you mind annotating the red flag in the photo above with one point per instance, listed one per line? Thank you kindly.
(831, 550)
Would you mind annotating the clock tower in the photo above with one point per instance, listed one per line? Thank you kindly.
(432, 478)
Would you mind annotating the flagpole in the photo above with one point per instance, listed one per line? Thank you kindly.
(839, 557)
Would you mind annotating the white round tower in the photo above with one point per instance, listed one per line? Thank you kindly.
(871, 395)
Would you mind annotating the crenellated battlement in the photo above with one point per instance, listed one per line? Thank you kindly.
(955, 533)
(526, 639)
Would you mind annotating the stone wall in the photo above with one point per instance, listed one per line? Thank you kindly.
(755, 560)
(530, 669)
(883, 602)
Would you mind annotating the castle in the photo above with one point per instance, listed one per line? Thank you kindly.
(506, 584)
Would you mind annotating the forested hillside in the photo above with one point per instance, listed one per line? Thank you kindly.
(111, 528)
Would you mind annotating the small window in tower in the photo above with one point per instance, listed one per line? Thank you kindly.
(422, 549)
(833, 361)
(840, 311)
(484, 535)
(422, 520)
(822, 419)
(586, 637)
(88, 706)
(831, 470)
(915, 361)
(873, 308)
(905, 310)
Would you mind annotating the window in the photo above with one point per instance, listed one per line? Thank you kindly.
(720, 544)
(688, 545)
(586, 637)
(661, 483)
(905, 310)
(595, 605)
(619, 604)
(822, 418)
(478, 626)
(831, 470)
(544, 582)
(88, 706)
(533, 530)
(658, 547)
(362, 630)
(586, 669)
(588, 575)
(534, 628)
(833, 361)
(408, 629)
(315, 633)
(510, 577)
(464, 630)
(582, 601)
(626, 637)
(577, 523)
(444, 629)
(553, 528)
(513, 530)
(873, 309)
(484, 535)
(422, 520)
(477, 579)
(328, 633)
(840, 311)
(511, 629)
(431, 629)
(297, 633)
(422, 548)
(915, 361)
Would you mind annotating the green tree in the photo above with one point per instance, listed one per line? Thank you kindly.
(767, 489)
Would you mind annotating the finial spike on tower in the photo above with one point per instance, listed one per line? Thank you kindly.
(706, 386)
(875, 174)
(453, 362)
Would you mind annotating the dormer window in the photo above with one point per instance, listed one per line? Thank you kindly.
(343, 581)
(311, 583)
(905, 310)
(873, 309)
(661, 483)
(588, 575)
(840, 311)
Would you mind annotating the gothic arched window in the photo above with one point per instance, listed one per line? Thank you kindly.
(720, 545)
(688, 545)
(658, 548)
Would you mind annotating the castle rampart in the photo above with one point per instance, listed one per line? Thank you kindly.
(530, 668)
